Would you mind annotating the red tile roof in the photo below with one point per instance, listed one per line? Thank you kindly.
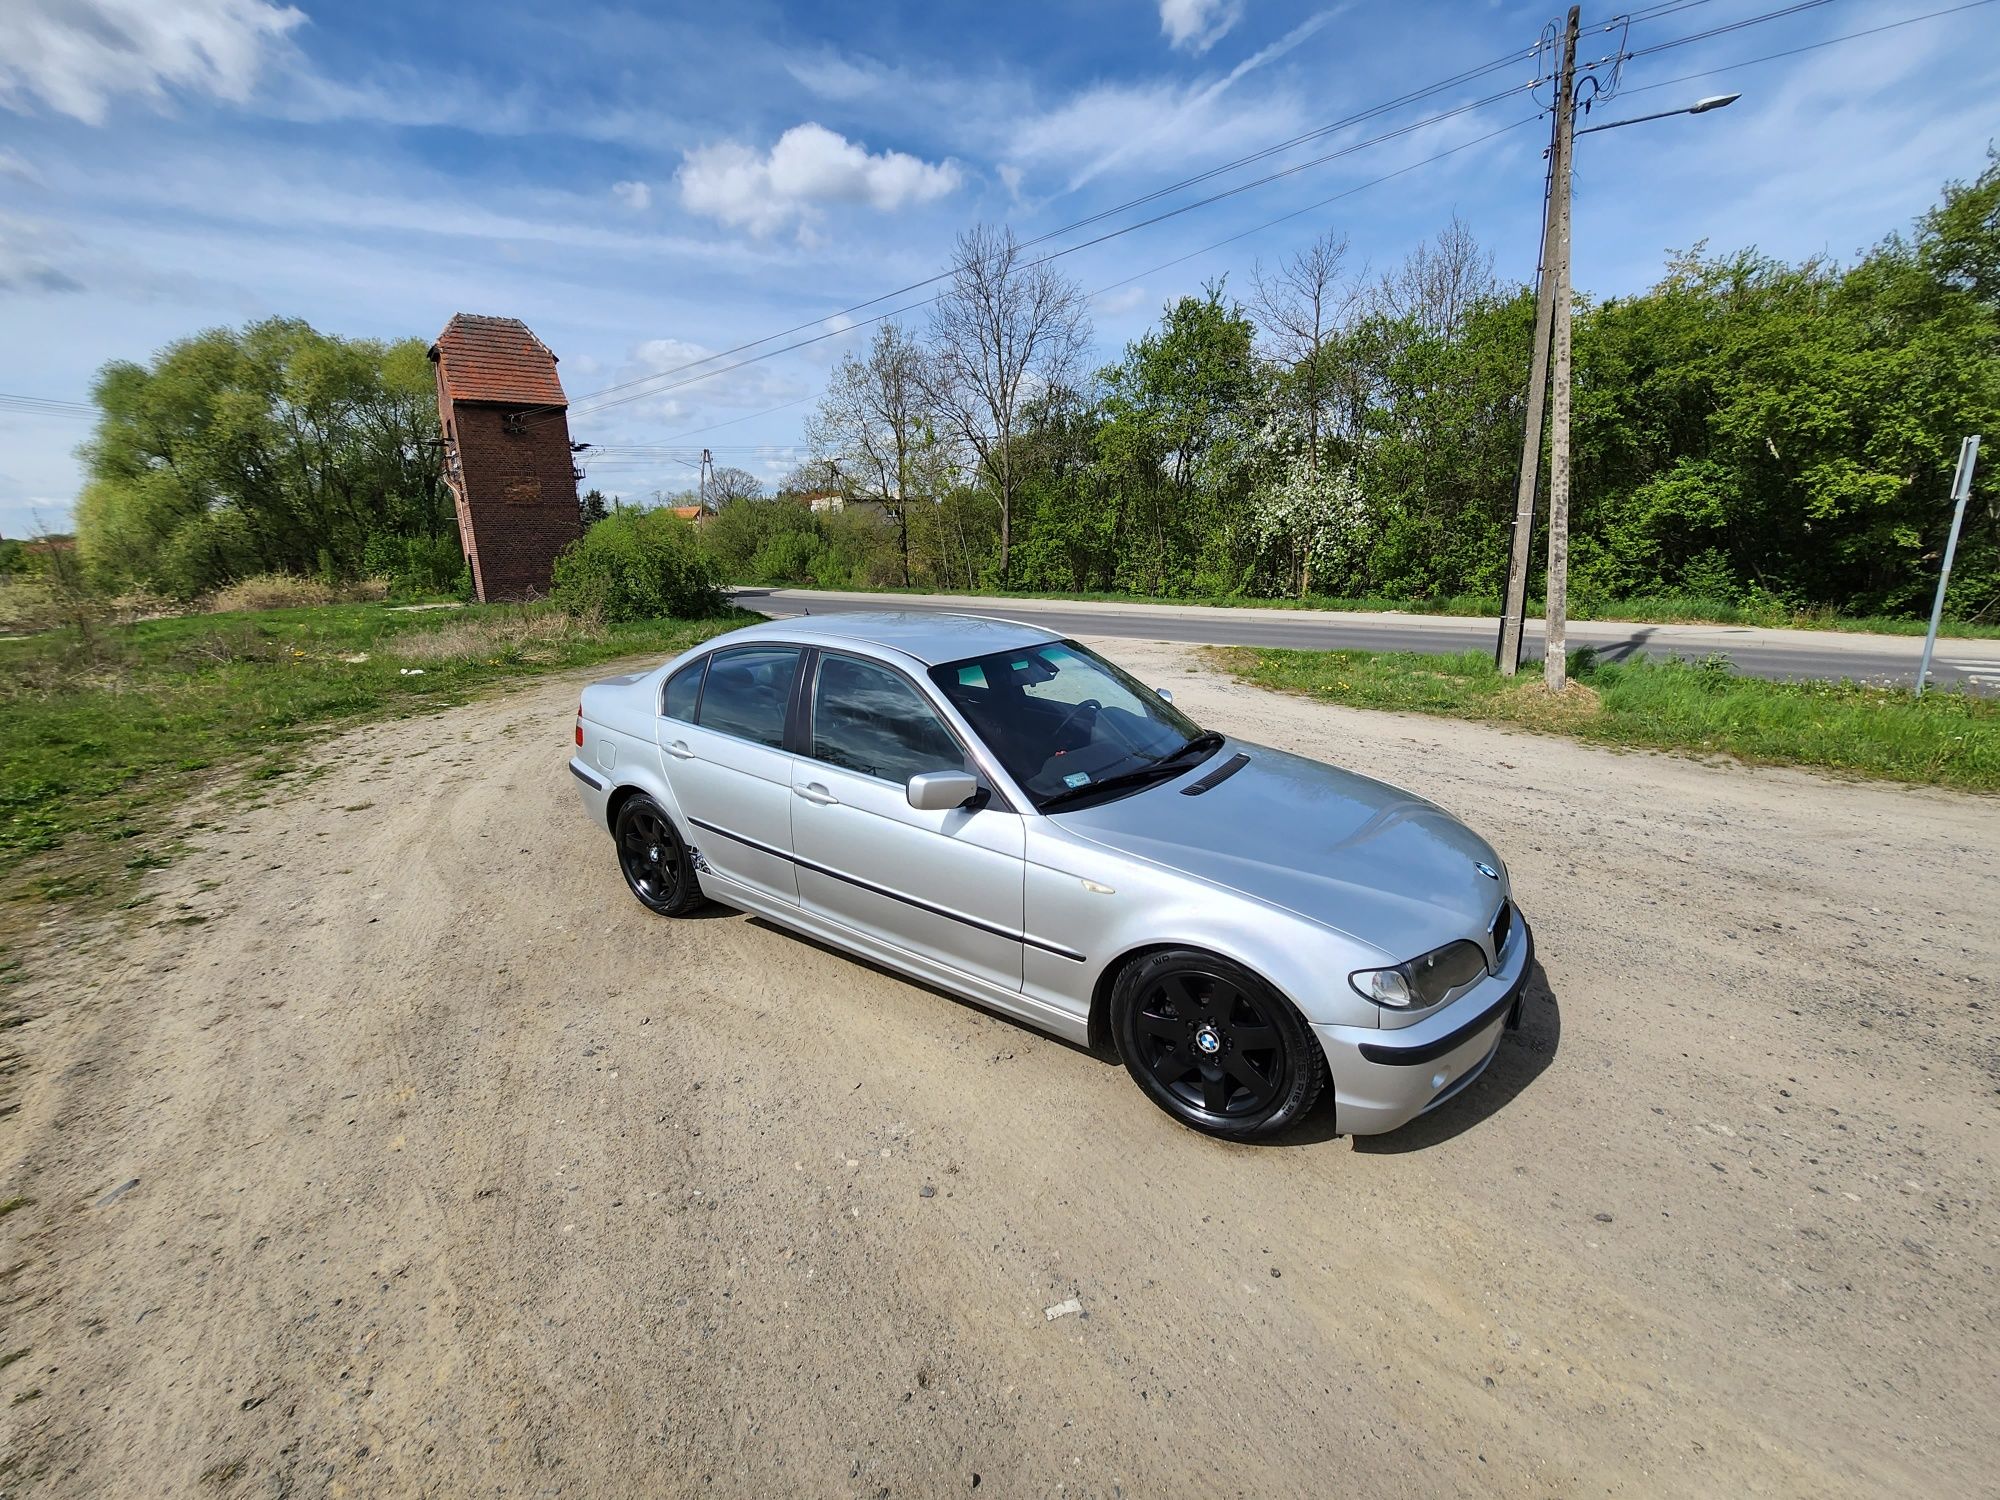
(496, 359)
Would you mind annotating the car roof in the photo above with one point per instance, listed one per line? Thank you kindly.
(930, 636)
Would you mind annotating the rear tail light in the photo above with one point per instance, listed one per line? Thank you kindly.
(579, 726)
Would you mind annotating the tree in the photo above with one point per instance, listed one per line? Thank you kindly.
(271, 448)
(813, 477)
(873, 429)
(1439, 284)
(726, 484)
(1180, 411)
(593, 507)
(1003, 329)
(1314, 515)
(1303, 307)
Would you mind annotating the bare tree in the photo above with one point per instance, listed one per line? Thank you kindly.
(726, 484)
(813, 477)
(1303, 307)
(1004, 329)
(873, 425)
(1440, 283)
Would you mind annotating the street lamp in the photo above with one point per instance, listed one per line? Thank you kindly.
(1699, 107)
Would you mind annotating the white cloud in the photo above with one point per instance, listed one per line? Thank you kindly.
(1196, 25)
(634, 195)
(1158, 123)
(1118, 302)
(834, 77)
(34, 256)
(16, 168)
(808, 167)
(1011, 176)
(75, 56)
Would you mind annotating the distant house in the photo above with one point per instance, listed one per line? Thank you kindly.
(824, 502)
(694, 515)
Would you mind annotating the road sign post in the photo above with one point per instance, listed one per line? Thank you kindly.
(1961, 491)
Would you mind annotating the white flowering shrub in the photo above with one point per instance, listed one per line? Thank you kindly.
(1311, 521)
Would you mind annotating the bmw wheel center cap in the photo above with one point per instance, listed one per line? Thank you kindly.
(1207, 1042)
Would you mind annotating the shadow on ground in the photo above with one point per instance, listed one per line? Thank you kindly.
(1523, 1057)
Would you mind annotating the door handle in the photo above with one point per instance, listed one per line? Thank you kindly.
(679, 750)
(815, 793)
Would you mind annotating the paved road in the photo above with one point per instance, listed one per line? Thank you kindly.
(1788, 655)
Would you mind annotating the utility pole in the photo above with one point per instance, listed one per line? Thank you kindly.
(707, 474)
(1555, 618)
(1514, 601)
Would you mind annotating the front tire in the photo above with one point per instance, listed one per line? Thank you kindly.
(1214, 1045)
(655, 863)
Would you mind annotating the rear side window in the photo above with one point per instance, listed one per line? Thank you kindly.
(871, 720)
(746, 692)
(683, 690)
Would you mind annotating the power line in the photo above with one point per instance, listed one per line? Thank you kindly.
(591, 404)
(1657, 12)
(1322, 203)
(46, 406)
(1058, 254)
(1205, 249)
(589, 399)
(1724, 30)
(1811, 46)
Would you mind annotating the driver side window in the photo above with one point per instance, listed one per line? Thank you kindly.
(867, 718)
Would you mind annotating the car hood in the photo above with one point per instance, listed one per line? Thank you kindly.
(1349, 852)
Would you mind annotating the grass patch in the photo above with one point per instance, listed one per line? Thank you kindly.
(1664, 609)
(102, 732)
(14, 1204)
(1942, 739)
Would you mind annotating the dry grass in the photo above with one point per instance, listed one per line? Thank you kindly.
(529, 635)
(289, 591)
(31, 605)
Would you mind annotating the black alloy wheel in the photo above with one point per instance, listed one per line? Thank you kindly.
(655, 861)
(1215, 1046)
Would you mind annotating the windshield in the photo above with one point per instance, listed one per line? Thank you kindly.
(1065, 722)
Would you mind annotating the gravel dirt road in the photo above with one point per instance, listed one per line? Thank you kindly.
(403, 1153)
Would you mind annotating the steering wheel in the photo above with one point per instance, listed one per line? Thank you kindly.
(1070, 718)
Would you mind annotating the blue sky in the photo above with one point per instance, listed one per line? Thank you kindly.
(645, 185)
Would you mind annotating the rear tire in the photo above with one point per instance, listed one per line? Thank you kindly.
(656, 864)
(1214, 1045)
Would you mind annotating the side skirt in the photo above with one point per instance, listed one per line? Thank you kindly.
(1010, 1003)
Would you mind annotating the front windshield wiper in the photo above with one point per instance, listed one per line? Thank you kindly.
(1207, 742)
(1166, 767)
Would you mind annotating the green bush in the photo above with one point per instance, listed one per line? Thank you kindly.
(202, 553)
(788, 557)
(414, 565)
(637, 565)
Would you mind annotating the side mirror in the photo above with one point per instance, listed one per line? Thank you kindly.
(941, 791)
(1166, 694)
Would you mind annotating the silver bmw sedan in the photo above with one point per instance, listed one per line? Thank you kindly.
(1004, 814)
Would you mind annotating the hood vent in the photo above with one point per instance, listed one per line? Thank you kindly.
(1216, 777)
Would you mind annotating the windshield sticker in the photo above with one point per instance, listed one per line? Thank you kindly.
(1077, 778)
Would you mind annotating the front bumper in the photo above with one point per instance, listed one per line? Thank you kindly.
(1386, 1078)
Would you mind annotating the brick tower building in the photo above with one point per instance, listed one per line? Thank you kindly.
(506, 453)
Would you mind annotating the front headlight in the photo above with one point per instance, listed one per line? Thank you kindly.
(1422, 982)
